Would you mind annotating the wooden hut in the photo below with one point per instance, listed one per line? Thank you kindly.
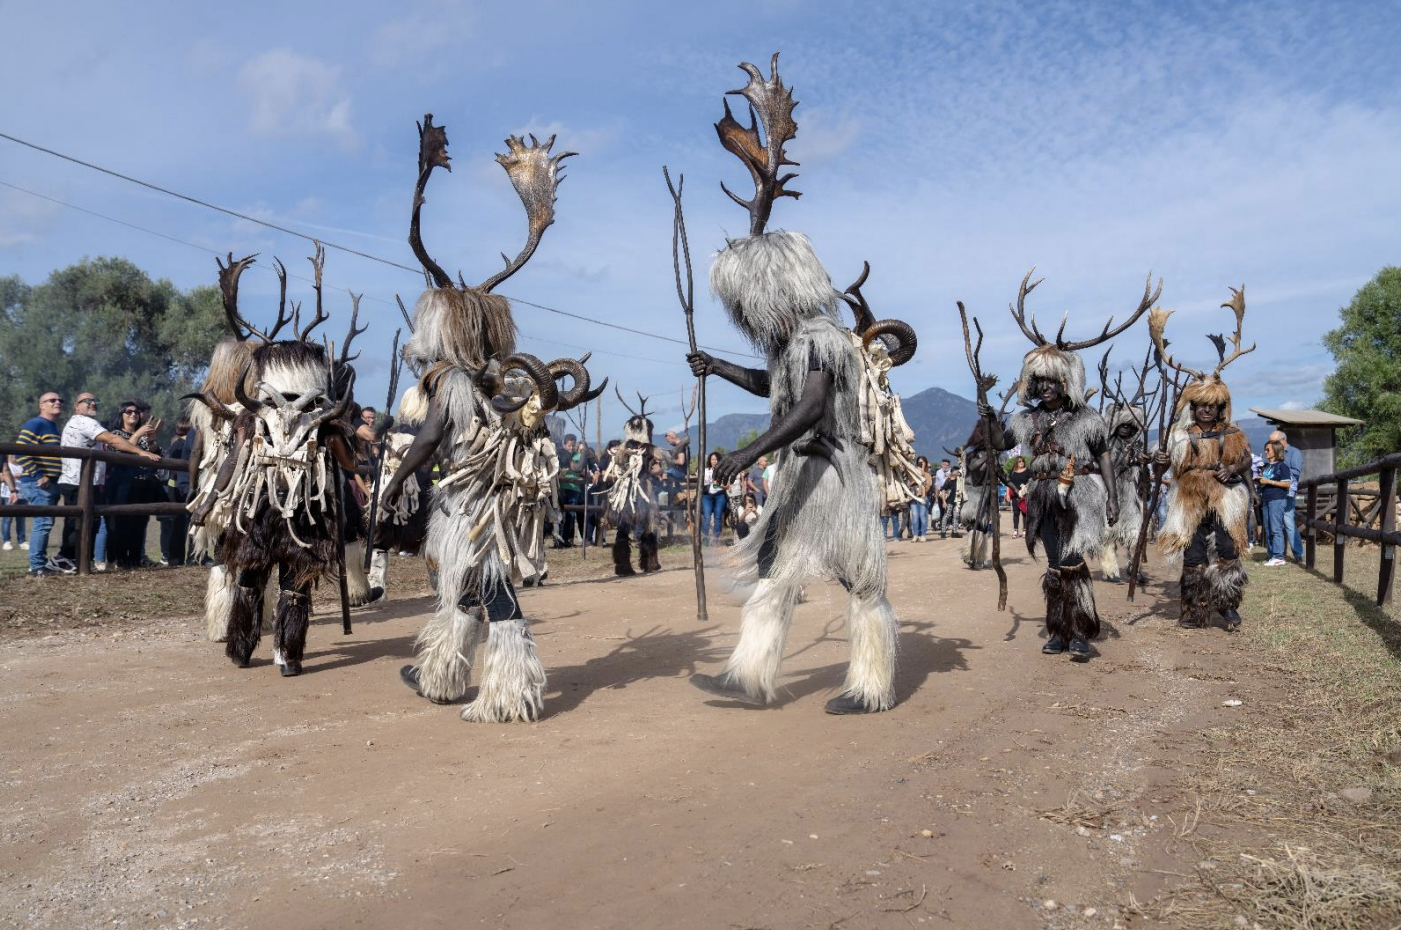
(1312, 432)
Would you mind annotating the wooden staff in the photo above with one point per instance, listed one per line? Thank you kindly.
(686, 295)
(340, 500)
(1138, 550)
(379, 459)
(985, 383)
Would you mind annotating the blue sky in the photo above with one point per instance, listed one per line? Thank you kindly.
(952, 145)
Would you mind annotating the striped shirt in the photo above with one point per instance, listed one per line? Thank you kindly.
(39, 432)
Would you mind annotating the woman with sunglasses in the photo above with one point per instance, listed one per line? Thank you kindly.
(131, 484)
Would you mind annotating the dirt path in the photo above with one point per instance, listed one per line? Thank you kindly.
(149, 783)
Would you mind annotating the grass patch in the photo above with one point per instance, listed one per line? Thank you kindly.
(1316, 841)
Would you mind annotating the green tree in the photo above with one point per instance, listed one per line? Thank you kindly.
(1367, 382)
(103, 326)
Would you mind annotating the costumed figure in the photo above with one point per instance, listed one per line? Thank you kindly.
(973, 513)
(820, 520)
(1209, 497)
(1126, 419)
(277, 484)
(1072, 496)
(481, 407)
(401, 525)
(634, 468)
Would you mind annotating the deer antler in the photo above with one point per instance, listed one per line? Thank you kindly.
(346, 358)
(318, 264)
(773, 103)
(1236, 304)
(625, 404)
(1157, 320)
(228, 287)
(535, 175)
(1103, 378)
(432, 153)
(1150, 296)
(1019, 311)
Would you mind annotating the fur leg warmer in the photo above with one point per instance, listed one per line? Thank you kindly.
(870, 676)
(1225, 581)
(445, 649)
(1081, 617)
(622, 556)
(218, 604)
(379, 562)
(513, 678)
(356, 584)
(244, 623)
(1195, 597)
(289, 627)
(763, 630)
(647, 552)
(1109, 562)
(1057, 622)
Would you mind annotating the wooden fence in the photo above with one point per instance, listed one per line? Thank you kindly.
(1342, 526)
(84, 507)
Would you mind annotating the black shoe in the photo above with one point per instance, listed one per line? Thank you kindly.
(1079, 650)
(44, 572)
(409, 676)
(1054, 646)
(375, 594)
(848, 704)
(1232, 619)
(717, 686)
(291, 669)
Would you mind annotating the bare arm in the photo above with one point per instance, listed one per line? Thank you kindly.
(430, 436)
(804, 415)
(753, 380)
(126, 445)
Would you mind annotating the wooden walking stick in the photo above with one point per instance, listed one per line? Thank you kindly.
(686, 295)
(379, 459)
(985, 383)
(1138, 550)
(340, 500)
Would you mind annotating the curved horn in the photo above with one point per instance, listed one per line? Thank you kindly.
(562, 368)
(539, 373)
(213, 403)
(341, 406)
(854, 299)
(503, 405)
(249, 404)
(595, 393)
(905, 339)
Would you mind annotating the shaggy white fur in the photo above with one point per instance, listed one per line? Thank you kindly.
(763, 630)
(770, 284)
(357, 585)
(513, 678)
(1053, 364)
(218, 602)
(873, 629)
(379, 561)
(444, 652)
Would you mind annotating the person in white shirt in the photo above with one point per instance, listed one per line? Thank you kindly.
(83, 431)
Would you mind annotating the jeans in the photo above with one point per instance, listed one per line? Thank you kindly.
(72, 526)
(569, 520)
(1291, 529)
(5, 526)
(39, 529)
(919, 519)
(1274, 527)
(713, 508)
(99, 545)
(890, 526)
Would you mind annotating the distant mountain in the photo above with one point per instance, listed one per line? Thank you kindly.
(725, 432)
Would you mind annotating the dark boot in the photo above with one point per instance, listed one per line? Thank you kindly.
(1081, 616)
(1225, 583)
(622, 555)
(245, 621)
(289, 628)
(1056, 630)
(647, 552)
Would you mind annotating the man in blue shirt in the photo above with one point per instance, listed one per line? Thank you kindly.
(1295, 460)
(39, 482)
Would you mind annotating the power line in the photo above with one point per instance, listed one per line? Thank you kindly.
(294, 275)
(309, 238)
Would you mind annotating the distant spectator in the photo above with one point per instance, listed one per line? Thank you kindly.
(1274, 493)
(769, 470)
(748, 516)
(948, 499)
(756, 481)
(680, 456)
(176, 526)
(571, 493)
(132, 484)
(84, 431)
(713, 500)
(9, 495)
(39, 482)
(941, 475)
(1295, 460)
(1017, 482)
(919, 509)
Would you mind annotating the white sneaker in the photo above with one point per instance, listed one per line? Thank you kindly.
(1273, 562)
(99, 566)
(8, 545)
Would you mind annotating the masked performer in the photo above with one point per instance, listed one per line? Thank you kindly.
(276, 482)
(1072, 496)
(634, 468)
(973, 514)
(401, 524)
(1209, 497)
(820, 520)
(482, 408)
(1127, 423)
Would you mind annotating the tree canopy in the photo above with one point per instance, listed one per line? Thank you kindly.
(102, 325)
(1367, 382)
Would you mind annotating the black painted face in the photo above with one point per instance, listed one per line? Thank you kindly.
(1205, 414)
(1050, 393)
(1126, 430)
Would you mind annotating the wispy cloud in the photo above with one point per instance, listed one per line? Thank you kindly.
(293, 95)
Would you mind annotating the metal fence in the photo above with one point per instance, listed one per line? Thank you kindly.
(85, 507)
(1341, 526)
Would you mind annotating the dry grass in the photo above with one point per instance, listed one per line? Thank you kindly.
(1291, 852)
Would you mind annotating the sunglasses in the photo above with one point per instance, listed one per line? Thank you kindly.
(52, 400)
(90, 401)
(130, 412)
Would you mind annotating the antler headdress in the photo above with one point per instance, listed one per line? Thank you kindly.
(1203, 387)
(772, 104)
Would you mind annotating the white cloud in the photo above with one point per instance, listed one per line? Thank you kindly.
(24, 218)
(412, 39)
(294, 95)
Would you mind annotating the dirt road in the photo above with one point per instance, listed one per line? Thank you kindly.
(149, 783)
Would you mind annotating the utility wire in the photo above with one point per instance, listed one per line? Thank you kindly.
(417, 272)
(294, 275)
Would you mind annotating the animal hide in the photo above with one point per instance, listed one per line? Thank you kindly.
(1194, 491)
(1081, 514)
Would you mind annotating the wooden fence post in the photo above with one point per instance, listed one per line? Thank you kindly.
(1386, 573)
(85, 522)
(1311, 537)
(1340, 519)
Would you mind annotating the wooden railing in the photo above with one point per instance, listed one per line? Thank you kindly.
(1341, 526)
(84, 506)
